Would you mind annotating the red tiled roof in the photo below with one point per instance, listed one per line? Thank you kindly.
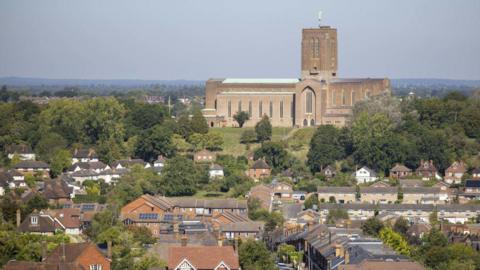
(204, 257)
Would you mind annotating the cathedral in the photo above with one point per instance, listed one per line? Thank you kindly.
(318, 97)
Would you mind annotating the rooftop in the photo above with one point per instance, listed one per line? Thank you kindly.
(259, 80)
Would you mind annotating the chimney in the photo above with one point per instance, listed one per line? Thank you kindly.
(19, 217)
(44, 250)
(184, 240)
(109, 249)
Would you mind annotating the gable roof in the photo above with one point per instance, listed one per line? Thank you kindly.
(128, 162)
(68, 217)
(243, 226)
(18, 149)
(370, 171)
(72, 252)
(400, 168)
(45, 224)
(56, 189)
(203, 257)
(216, 167)
(93, 165)
(31, 164)
(190, 202)
(457, 167)
(84, 153)
(161, 202)
(260, 164)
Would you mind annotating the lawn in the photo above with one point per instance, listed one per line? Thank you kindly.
(231, 139)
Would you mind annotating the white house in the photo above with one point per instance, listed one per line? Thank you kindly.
(24, 152)
(365, 175)
(216, 171)
(84, 155)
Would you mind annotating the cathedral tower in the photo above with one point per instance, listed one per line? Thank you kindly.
(319, 53)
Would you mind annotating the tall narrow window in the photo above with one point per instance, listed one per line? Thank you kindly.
(292, 109)
(281, 109)
(229, 108)
(316, 48)
(239, 106)
(333, 97)
(312, 43)
(250, 108)
(309, 102)
(271, 109)
(344, 101)
(353, 97)
(260, 109)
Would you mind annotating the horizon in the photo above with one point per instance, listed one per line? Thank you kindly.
(118, 41)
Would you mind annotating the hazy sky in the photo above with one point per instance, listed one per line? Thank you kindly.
(200, 39)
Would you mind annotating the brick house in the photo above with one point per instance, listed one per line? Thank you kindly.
(86, 255)
(204, 156)
(282, 189)
(338, 194)
(328, 172)
(400, 171)
(202, 258)
(454, 173)
(259, 169)
(427, 170)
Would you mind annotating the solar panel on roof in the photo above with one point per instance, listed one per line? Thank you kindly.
(88, 207)
(168, 217)
(148, 215)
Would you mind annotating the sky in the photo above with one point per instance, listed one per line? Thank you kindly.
(201, 39)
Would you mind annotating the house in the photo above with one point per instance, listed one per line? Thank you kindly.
(79, 256)
(86, 255)
(57, 191)
(476, 173)
(379, 194)
(427, 170)
(471, 190)
(365, 175)
(159, 164)
(425, 195)
(399, 171)
(282, 190)
(227, 218)
(11, 179)
(418, 230)
(96, 166)
(328, 172)
(33, 167)
(127, 163)
(84, 155)
(203, 258)
(204, 156)
(23, 151)
(454, 173)
(215, 171)
(264, 194)
(383, 264)
(39, 223)
(195, 208)
(68, 218)
(336, 194)
(242, 229)
(259, 169)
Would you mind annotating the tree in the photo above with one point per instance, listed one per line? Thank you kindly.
(248, 136)
(254, 255)
(401, 226)
(325, 148)
(275, 155)
(61, 160)
(179, 177)
(311, 201)
(395, 241)
(198, 123)
(155, 141)
(372, 226)
(213, 141)
(197, 140)
(49, 144)
(470, 119)
(263, 129)
(336, 214)
(241, 117)
(374, 142)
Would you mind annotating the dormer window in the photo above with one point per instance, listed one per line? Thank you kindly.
(34, 220)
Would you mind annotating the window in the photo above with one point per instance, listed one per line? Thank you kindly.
(239, 106)
(34, 220)
(260, 109)
(316, 48)
(229, 108)
(292, 109)
(271, 109)
(309, 102)
(95, 267)
(353, 98)
(344, 102)
(250, 108)
(281, 109)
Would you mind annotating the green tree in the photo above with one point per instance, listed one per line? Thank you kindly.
(311, 201)
(178, 177)
(61, 160)
(198, 123)
(248, 136)
(325, 148)
(197, 140)
(275, 155)
(336, 214)
(254, 255)
(395, 241)
(372, 226)
(155, 141)
(49, 144)
(241, 117)
(213, 141)
(263, 129)
(401, 226)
